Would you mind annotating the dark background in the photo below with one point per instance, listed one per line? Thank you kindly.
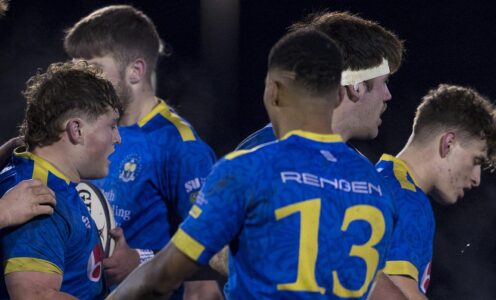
(215, 79)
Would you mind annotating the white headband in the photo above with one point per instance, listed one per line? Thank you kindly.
(349, 77)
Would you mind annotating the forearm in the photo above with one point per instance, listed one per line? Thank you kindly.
(4, 214)
(408, 286)
(158, 277)
(29, 290)
(385, 289)
(219, 262)
(7, 149)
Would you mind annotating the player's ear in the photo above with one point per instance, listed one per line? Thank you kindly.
(74, 130)
(446, 143)
(354, 92)
(136, 71)
(271, 92)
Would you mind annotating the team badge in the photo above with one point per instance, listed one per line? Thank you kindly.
(130, 168)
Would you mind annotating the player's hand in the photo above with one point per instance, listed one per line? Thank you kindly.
(25, 201)
(123, 261)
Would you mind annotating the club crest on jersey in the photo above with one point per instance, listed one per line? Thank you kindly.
(95, 268)
(130, 168)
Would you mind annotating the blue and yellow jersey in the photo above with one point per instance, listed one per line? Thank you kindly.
(154, 176)
(262, 136)
(305, 218)
(410, 253)
(65, 243)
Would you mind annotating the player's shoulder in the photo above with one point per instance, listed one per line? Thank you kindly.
(397, 174)
(164, 120)
(254, 152)
(259, 137)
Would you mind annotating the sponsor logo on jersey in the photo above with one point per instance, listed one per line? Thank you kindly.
(193, 185)
(359, 187)
(200, 199)
(129, 168)
(426, 278)
(95, 268)
(121, 213)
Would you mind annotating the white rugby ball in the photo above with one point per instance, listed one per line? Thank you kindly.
(101, 212)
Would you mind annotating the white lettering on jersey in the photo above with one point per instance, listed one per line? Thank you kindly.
(359, 187)
(192, 185)
(86, 222)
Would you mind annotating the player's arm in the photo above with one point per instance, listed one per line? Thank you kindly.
(26, 200)
(35, 285)
(385, 289)
(7, 149)
(219, 262)
(158, 277)
(408, 286)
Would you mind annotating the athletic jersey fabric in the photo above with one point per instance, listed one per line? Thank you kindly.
(305, 218)
(65, 243)
(410, 253)
(154, 177)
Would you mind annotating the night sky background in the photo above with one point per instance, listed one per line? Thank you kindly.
(215, 77)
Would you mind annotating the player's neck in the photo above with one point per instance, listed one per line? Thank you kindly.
(140, 105)
(307, 120)
(344, 131)
(58, 157)
(419, 162)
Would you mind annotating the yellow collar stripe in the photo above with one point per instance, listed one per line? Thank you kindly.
(161, 108)
(41, 167)
(327, 138)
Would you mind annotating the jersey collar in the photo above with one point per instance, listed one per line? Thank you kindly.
(41, 166)
(401, 163)
(326, 138)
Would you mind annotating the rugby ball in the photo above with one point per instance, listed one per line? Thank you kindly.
(101, 212)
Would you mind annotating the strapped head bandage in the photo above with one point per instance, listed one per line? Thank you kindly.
(349, 77)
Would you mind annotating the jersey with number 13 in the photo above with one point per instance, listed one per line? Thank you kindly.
(305, 218)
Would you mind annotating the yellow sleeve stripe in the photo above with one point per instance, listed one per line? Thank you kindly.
(161, 108)
(187, 244)
(195, 211)
(401, 267)
(30, 264)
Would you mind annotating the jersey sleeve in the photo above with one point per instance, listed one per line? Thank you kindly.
(217, 215)
(186, 168)
(409, 237)
(36, 246)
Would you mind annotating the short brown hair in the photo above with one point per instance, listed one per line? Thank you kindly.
(65, 90)
(119, 30)
(459, 108)
(363, 43)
